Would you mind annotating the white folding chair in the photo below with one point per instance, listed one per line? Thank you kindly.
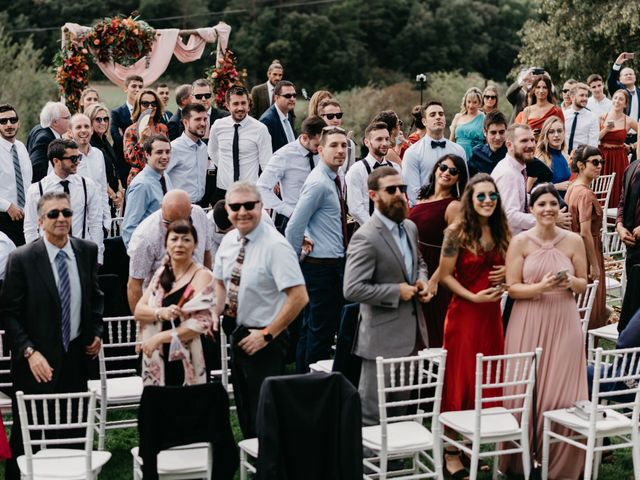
(615, 254)
(322, 366)
(585, 305)
(225, 357)
(116, 227)
(39, 415)
(5, 381)
(186, 461)
(601, 187)
(119, 387)
(402, 433)
(497, 426)
(609, 415)
(608, 332)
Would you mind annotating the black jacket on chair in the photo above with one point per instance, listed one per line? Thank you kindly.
(37, 144)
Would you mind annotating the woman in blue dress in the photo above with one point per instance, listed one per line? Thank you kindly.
(551, 150)
(466, 127)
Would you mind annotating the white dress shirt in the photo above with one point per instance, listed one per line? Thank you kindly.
(254, 144)
(8, 191)
(270, 89)
(513, 194)
(6, 247)
(93, 226)
(188, 166)
(357, 190)
(599, 108)
(289, 166)
(587, 127)
(633, 109)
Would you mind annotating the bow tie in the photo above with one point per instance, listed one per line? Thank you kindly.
(378, 165)
(435, 144)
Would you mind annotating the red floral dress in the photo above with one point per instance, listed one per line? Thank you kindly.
(133, 151)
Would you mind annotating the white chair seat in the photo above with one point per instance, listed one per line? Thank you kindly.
(613, 421)
(57, 463)
(5, 401)
(250, 445)
(122, 389)
(612, 212)
(322, 366)
(495, 422)
(401, 437)
(184, 459)
(431, 352)
(612, 283)
(609, 332)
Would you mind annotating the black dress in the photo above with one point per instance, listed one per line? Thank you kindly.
(109, 154)
(173, 371)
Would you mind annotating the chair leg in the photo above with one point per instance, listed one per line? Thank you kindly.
(243, 466)
(496, 461)
(475, 460)
(545, 448)
(103, 421)
(588, 461)
(437, 457)
(598, 458)
(383, 465)
(635, 453)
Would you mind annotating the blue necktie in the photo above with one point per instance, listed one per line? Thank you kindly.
(288, 131)
(64, 288)
(405, 249)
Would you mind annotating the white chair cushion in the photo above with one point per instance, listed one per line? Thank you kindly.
(401, 437)
(5, 401)
(123, 389)
(322, 366)
(183, 459)
(250, 446)
(612, 212)
(612, 283)
(495, 422)
(613, 421)
(431, 352)
(57, 463)
(610, 332)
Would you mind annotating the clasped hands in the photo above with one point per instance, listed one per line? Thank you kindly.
(407, 292)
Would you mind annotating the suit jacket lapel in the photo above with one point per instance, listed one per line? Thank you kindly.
(44, 267)
(385, 234)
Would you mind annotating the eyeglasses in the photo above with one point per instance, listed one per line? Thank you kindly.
(102, 119)
(73, 158)
(331, 116)
(11, 120)
(392, 189)
(55, 213)
(146, 104)
(200, 96)
(493, 196)
(596, 162)
(289, 96)
(491, 97)
(248, 206)
(565, 90)
(452, 170)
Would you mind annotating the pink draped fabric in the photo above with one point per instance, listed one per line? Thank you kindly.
(168, 43)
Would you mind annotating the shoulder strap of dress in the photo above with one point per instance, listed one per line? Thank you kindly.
(559, 237)
(532, 237)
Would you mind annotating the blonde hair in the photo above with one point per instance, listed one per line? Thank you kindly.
(542, 148)
(316, 99)
(472, 91)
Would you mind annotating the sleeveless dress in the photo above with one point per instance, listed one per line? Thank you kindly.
(537, 123)
(616, 160)
(470, 328)
(429, 218)
(173, 371)
(550, 321)
(470, 134)
(583, 205)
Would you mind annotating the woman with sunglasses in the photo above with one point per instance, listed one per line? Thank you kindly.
(586, 220)
(551, 150)
(98, 113)
(148, 104)
(490, 99)
(542, 105)
(466, 127)
(546, 267)
(472, 268)
(437, 207)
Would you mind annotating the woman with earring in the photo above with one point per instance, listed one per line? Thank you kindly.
(542, 105)
(490, 99)
(551, 150)
(466, 127)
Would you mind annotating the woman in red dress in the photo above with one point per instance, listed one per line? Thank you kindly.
(542, 105)
(472, 267)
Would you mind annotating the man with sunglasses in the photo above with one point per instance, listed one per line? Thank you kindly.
(85, 196)
(52, 310)
(279, 117)
(262, 95)
(567, 102)
(15, 171)
(54, 122)
(201, 93)
(331, 112)
(121, 119)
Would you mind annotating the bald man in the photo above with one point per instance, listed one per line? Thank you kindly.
(147, 249)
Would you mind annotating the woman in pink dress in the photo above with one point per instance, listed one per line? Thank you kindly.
(545, 267)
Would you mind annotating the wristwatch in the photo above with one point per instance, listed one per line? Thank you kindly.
(28, 352)
(267, 336)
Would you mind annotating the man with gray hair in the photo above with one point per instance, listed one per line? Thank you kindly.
(183, 98)
(54, 122)
(257, 274)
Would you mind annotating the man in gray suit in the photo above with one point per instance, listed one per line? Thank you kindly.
(385, 273)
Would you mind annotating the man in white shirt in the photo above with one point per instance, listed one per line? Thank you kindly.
(581, 127)
(86, 201)
(420, 157)
(6, 247)
(239, 145)
(189, 159)
(15, 172)
(289, 167)
(598, 102)
(376, 138)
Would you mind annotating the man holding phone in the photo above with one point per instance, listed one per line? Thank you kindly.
(620, 77)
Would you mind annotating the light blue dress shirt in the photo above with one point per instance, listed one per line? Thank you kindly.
(188, 166)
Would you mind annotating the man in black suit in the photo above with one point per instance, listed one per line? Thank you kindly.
(52, 309)
(202, 94)
(163, 92)
(183, 98)
(279, 117)
(262, 95)
(121, 119)
(54, 122)
(626, 78)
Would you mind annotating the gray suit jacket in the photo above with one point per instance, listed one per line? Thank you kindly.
(375, 268)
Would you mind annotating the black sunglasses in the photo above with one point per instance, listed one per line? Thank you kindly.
(200, 96)
(491, 97)
(289, 95)
(248, 206)
(146, 104)
(55, 213)
(102, 119)
(452, 170)
(11, 120)
(73, 158)
(596, 162)
(565, 90)
(493, 196)
(391, 189)
(331, 116)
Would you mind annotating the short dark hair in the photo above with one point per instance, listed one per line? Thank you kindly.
(181, 227)
(312, 126)
(594, 77)
(182, 93)
(581, 154)
(540, 190)
(495, 118)
(416, 114)
(375, 126)
(147, 146)
(236, 90)
(57, 148)
(331, 130)
(162, 85)
(57, 195)
(373, 180)
(6, 107)
(431, 103)
(201, 82)
(192, 107)
(280, 85)
(221, 216)
(133, 78)
(389, 117)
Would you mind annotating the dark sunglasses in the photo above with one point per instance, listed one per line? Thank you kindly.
(331, 116)
(493, 196)
(596, 162)
(11, 120)
(391, 189)
(200, 96)
(55, 213)
(146, 104)
(73, 158)
(565, 90)
(248, 206)
(102, 119)
(289, 95)
(452, 170)
(491, 97)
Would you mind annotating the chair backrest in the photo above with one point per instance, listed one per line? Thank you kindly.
(118, 356)
(5, 363)
(585, 305)
(116, 227)
(70, 412)
(225, 357)
(615, 255)
(601, 186)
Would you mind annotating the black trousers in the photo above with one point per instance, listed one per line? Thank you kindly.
(14, 229)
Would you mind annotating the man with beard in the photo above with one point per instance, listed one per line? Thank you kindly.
(420, 157)
(485, 157)
(239, 145)
(189, 160)
(385, 273)
(376, 139)
(581, 126)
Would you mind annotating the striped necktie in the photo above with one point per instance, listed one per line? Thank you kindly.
(64, 289)
(231, 302)
(19, 181)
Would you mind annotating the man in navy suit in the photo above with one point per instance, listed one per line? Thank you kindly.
(54, 122)
(121, 119)
(163, 92)
(626, 78)
(183, 98)
(279, 117)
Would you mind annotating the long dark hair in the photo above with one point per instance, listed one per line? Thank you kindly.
(468, 230)
(182, 227)
(429, 188)
(551, 97)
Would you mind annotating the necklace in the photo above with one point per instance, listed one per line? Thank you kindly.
(183, 273)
